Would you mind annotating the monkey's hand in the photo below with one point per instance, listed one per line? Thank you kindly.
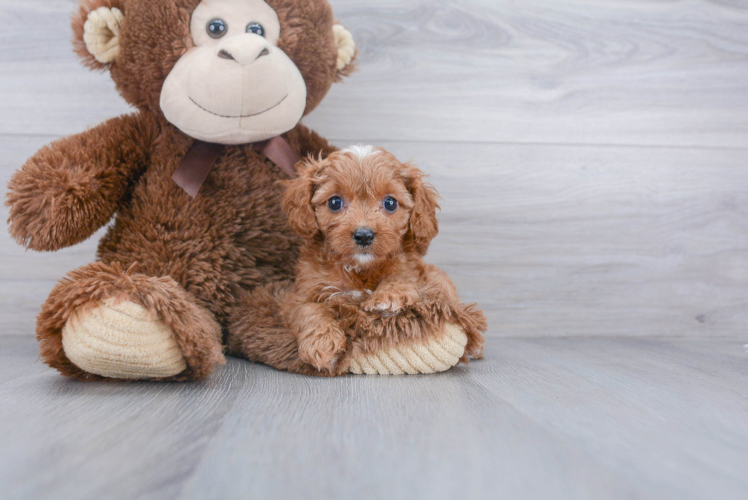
(72, 187)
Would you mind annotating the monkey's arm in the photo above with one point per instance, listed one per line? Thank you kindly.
(72, 187)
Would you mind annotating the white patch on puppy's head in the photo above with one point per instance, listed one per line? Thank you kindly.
(361, 151)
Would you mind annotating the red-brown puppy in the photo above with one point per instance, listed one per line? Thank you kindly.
(367, 220)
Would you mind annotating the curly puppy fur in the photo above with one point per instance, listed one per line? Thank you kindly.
(349, 298)
(200, 253)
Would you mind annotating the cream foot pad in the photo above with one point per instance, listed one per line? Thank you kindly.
(438, 356)
(123, 341)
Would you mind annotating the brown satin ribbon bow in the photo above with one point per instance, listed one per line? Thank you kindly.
(196, 165)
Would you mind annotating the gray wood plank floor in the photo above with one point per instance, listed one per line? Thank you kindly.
(592, 156)
(537, 419)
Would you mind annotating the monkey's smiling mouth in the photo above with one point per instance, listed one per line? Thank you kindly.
(239, 116)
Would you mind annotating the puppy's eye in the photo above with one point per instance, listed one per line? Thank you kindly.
(256, 28)
(217, 28)
(335, 204)
(390, 204)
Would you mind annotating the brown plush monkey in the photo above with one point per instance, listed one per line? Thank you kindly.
(189, 178)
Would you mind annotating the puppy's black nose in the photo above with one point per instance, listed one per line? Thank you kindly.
(363, 236)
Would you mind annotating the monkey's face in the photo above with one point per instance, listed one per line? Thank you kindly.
(235, 85)
(223, 71)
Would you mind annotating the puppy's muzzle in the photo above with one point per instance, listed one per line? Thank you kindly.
(364, 236)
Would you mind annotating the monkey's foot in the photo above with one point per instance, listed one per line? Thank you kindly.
(122, 340)
(439, 355)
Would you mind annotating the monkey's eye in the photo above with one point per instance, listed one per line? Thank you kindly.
(335, 204)
(390, 204)
(217, 28)
(256, 28)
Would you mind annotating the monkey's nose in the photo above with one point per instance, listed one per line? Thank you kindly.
(225, 54)
(364, 236)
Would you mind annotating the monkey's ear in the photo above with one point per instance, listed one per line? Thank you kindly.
(96, 29)
(346, 50)
(424, 225)
(297, 201)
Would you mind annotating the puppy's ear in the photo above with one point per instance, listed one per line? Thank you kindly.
(423, 223)
(297, 201)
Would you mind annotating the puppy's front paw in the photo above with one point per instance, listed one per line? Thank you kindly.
(390, 303)
(322, 346)
(387, 308)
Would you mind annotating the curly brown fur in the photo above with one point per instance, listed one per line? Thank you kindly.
(195, 329)
(351, 299)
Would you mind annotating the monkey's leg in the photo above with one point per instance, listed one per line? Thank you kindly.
(431, 337)
(438, 353)
(102, 322)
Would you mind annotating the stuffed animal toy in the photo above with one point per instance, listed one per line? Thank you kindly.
(361, 287)
(190, 178)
